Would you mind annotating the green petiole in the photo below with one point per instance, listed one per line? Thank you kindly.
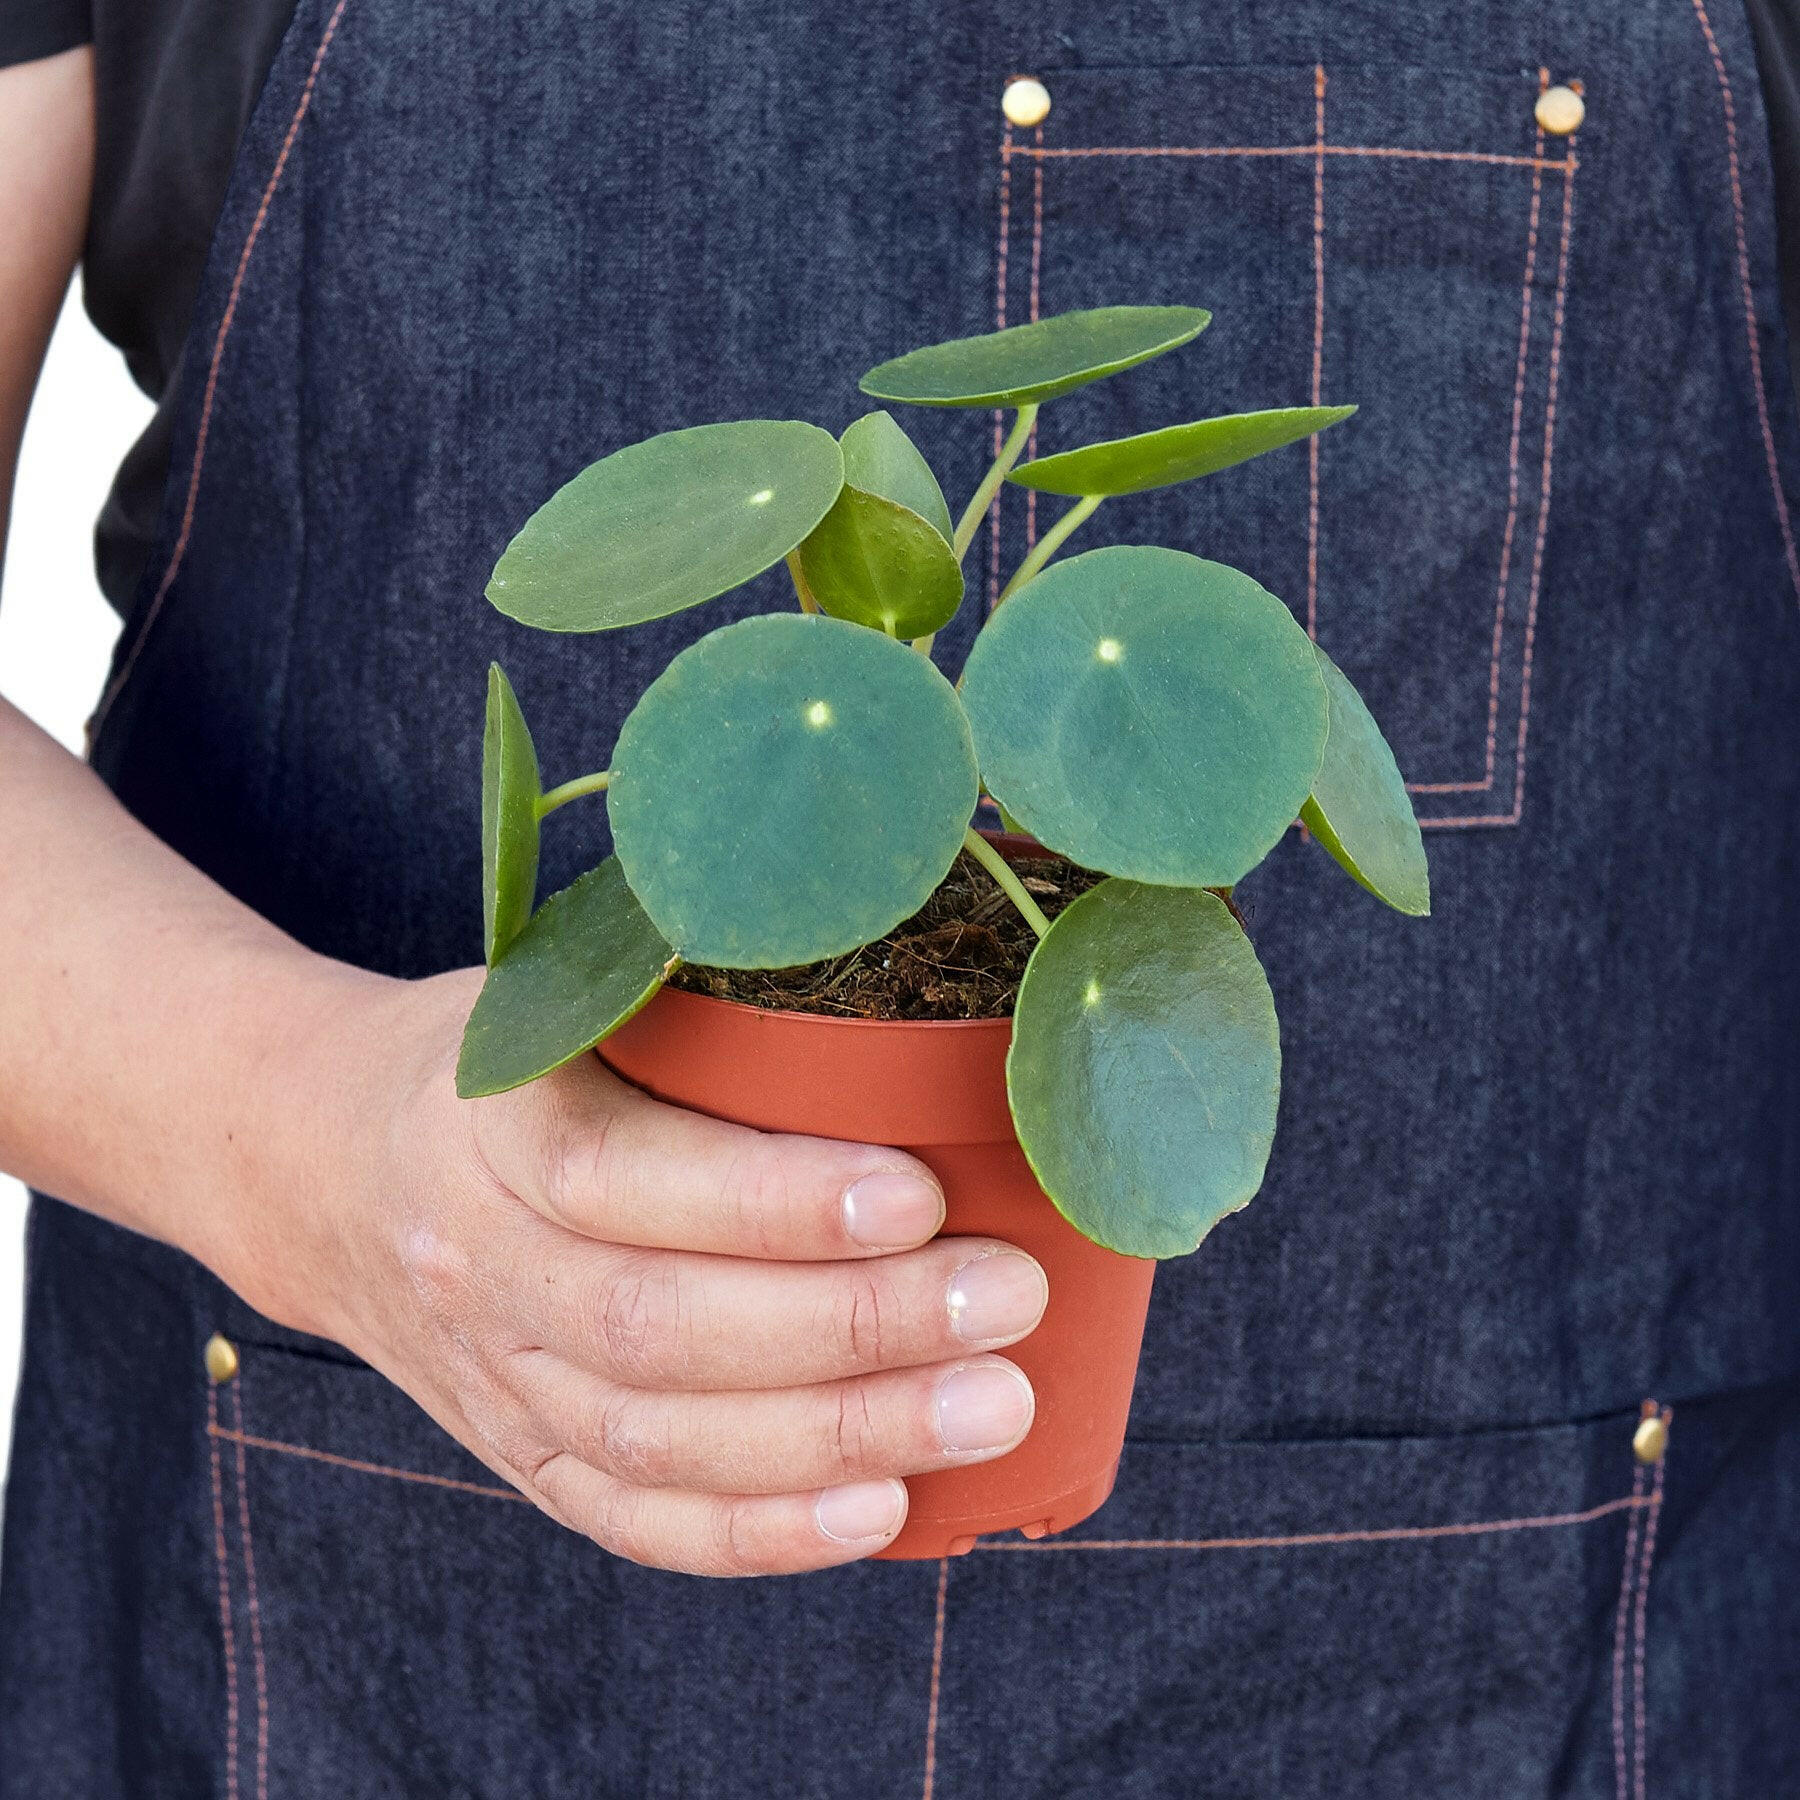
(998, 867)
(572, 790)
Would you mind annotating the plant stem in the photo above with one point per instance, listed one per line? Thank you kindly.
(807, 602)
(1052, 541)
(997, 866)
(572, 790)
(970, 522)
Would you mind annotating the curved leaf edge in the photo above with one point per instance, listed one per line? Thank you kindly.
(1034, 393)
(503, 707)
(1042, 1178)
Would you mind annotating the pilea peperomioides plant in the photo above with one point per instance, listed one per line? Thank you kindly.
(795, 785)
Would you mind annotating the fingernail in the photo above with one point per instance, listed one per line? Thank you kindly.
(986, 1407)
(997, 1296)
(864, 1509)
(890, 1211)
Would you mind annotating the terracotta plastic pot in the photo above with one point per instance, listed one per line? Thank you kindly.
(937, 1090)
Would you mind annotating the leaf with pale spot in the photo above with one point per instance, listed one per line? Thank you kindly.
(1145, 1068)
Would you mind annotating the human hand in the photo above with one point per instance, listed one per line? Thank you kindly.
(708, 1348)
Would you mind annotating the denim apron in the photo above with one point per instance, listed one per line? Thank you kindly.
(1380, 1529)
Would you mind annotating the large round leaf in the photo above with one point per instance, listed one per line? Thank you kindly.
(1148, 714)
(1026, 364)
(1145, 1066)
(790, 787)
(1176, 453)
(881, 459)
(1359, 810)
(578, 971)
(667, 523)
(879, 563)
(510, 790)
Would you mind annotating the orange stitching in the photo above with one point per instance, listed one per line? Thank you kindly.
(1037, 256)
(218, 1502)
(1512, 461)
(1318, 360)
(178, 555)
(1385, 150)
(1619, 1620)
(256, 1643)
(1750, 326)
(364, 1468)
(993, 518)
(1391, 1535)
(1558, 314)
(1543, 519)
(1639, 1710)
(937, 1673)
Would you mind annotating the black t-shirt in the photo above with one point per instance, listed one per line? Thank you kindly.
(176, 82)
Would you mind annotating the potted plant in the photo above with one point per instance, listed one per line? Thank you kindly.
(797, 787)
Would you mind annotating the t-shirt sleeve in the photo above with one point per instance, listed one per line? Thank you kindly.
(33, 28)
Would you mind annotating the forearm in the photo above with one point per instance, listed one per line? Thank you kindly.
(146, 1019)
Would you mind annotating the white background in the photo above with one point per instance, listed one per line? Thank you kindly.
(55, 630)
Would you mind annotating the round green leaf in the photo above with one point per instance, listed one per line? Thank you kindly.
(667, 523)
(587, 961)
(1176, 453)
(1027, 364)
(881, 459)
(509, 820)
(788, 788)
(1359, 810)
(1149, 714)
(1145, 1066)
(878, 563)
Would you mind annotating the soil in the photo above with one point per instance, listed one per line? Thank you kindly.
(961, 956)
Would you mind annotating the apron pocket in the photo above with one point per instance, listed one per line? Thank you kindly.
(1350, 1617)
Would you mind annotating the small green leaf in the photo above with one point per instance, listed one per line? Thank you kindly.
(1148, 714)
(1027, 364)
(1176, 453)
(1359, 810)
(881, 459)
(509, 822)
(790, 787)
(586, 962)
(667, 523)
(880, 564)
(1145, 1067)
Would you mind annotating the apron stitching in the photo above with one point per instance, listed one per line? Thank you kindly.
(1400, 152)
(1393, 1534)
(1485, 785)
(1292, 1541)
(1558, 315)
(937, 1675)
(256, 1642)
(1037, 257)
(1620, 1617)
(245, 1438)
(1639, 1706)
(1318, 352)
(225, 1630)
(176, 557)
(1005, 246)
(1750, 326)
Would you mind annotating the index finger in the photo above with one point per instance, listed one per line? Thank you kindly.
(594, 1154)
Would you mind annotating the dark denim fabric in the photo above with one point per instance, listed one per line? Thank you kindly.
(1539, 1157)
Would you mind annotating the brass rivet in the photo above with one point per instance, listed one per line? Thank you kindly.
(221, 1358)
(1026, 101)
(1650, 1440)
(1560, 110)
